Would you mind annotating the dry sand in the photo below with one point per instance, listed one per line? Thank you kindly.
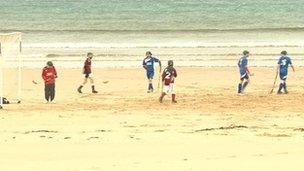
(124, 128)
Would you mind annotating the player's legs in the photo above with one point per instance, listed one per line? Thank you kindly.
(164, 93)
(92, 85)
(246, 82)
(85, 80)
(282, 85)
(47, 92)
(173, 94)
(150, 76)
(240, 86)
(52, 92)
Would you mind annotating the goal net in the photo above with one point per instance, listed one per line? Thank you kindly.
(10, 66)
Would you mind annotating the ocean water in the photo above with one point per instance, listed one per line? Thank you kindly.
(152, 24)
(62, 20)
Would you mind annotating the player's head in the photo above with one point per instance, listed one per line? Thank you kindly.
(284, 52)
(149, 53)
(170, 63)
(90, 55)
(246, 53)
(49, 63)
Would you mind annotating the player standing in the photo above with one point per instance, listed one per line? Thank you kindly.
(87, 71)
(148, 64)
(49, 75)
(282, 69)
(168, 77)
(244, 72)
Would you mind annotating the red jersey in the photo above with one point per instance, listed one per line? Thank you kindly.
(87, 66)
(168, 75)
(49, 74)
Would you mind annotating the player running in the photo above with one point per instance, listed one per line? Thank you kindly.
(282, 69)
(49, 75)
(87, 71)
(148, 64)
(168, 77)
(244, 72)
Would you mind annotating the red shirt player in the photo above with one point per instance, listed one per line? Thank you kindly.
(168, 77)
(87, 71)
(49, 75)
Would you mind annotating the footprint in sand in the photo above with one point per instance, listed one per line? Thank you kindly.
(92, 138)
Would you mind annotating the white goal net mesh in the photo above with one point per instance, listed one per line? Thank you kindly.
(10, 66)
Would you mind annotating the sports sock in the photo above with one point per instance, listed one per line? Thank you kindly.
(173, 98)
(161, 97)
(240, 88)
(280, 87)
(150, 86)
(245, 85)
(285, 87)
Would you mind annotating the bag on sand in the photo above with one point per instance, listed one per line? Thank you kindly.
(5, 101)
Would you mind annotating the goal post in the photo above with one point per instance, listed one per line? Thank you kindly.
(10, 66)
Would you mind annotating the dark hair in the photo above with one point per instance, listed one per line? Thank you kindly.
(149, 52)
(49, 63)
(89, 53)
(170, 63)
(245, 52)
(284, 52)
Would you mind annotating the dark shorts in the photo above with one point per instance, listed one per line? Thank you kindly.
(87, 74)
(150, 74)
(283, 76)
(244, 76)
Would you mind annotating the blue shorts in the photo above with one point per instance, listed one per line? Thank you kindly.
(150, 74)
(283, 76)
(244, 76)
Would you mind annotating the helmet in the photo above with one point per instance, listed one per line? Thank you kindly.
(170, 63)
(49, 63)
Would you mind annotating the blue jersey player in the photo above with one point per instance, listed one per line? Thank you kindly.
(282, 69)
(244, 72)
(148, 64)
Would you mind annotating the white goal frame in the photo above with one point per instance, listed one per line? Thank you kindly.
(19, 67)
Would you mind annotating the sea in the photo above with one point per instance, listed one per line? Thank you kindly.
(122, 30)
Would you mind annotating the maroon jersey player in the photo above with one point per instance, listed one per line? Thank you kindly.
(87, 71)
(168, 76)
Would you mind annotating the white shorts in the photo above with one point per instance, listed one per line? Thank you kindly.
(169, 89)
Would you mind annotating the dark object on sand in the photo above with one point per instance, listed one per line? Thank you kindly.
(5, 101)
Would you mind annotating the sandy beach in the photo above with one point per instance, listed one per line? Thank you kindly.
(124, 128)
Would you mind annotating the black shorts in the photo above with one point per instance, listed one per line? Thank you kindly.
(245, 76)
(87, 74)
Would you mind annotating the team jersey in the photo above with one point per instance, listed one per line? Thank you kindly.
(49, 74)
(284, 63)
(243, 65)
(168, 75)
(87, 66)
(148, 63)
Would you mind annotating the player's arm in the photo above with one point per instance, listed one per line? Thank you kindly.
(175, 73)
(163, 76)
(293, 69)
(160, 66)
(247, 71)
(55, 72)
(144, 65)
(43, 74)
